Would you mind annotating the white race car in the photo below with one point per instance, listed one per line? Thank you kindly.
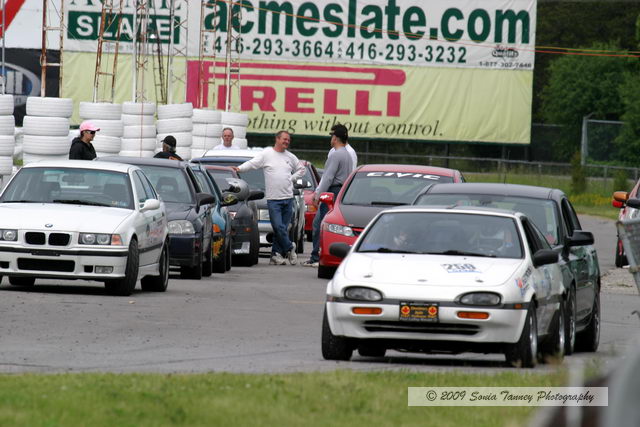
(446, 280)
(75, 219)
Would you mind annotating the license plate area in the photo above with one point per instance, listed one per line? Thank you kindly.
(419, 311)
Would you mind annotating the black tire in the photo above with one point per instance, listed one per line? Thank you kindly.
(208, 265)
(368, 350)
(554, 345)
(254, 249)
(125, 286)
(0, 280)
(325, 272)
(334, 347)
(621, 259)
(524, 353)
(22, 281)
(570, 322)
(229, 261)
(220, 263)
(158, 283)
(589, 338)
(193, 272)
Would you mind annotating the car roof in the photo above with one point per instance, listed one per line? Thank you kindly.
(462, 209)
(82, 164)
(218, 167)
(146, 161)
(231, 153)
(494, 189)
(433, 170)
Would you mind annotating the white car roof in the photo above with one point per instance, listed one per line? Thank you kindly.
(81, 164)
(231, 153)
(457, 209)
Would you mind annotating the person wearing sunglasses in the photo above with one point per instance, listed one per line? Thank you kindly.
(81, 146)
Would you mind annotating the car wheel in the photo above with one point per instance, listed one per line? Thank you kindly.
(229, 258)
(220, 263)
(254, 251)
(325, 272)
(554, 345)
(194, 272)
(589, 338)
(570, 322)
(158, 283)
(22, 281)
(524, 353)
(126, 285)
(369, 350)
(621, 258)
(334, 347)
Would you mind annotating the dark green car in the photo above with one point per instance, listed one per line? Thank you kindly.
(551, 211)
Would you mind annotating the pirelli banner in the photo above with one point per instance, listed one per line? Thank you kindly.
(442, 70)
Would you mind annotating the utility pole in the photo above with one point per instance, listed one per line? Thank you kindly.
(44, 62)
(111, 21)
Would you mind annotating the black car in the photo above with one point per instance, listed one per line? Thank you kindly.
(551, 211)
(245, 239)
(188, 213)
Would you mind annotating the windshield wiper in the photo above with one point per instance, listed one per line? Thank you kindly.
(80, 202)
(387, 203)
(464, 253)
(390, 251)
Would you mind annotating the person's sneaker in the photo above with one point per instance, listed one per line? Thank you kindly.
(309, 263)
(292, 255)
(276, 259)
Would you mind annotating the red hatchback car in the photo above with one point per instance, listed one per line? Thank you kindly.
(368, 190)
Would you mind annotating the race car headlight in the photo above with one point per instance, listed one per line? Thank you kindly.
(9, 235)
(480, 298)
(340, 229)
(263, 214)
(99, 239)
(181, 227)
(362, 294)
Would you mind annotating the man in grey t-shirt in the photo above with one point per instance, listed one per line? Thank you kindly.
(336, 171)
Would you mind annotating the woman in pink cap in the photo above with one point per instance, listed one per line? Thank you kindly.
(81, 147)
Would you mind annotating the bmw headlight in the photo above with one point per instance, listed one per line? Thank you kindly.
(99, 239)
(263, 214)
(181, 227)
(9, 235)
(362, 294)
(340, 229)
(480, 298)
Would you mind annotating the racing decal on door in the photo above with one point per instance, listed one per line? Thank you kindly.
(523, 282)
(460, 268)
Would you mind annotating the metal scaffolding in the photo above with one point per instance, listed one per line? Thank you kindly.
(44, 61)
(140, 49)
(181, 24)
(232, 57)
(110, 22)
(207, 55)
(3, 78)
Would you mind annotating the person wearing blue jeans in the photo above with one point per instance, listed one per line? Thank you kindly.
(281, 169)
(336, 171)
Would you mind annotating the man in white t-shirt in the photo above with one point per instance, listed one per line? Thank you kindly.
(281, 170)
(227, 140)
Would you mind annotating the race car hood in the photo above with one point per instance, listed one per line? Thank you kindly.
(177, 211)
(429, 270)
(358, 215)
(62, 217)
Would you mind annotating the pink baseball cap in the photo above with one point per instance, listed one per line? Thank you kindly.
(87, 125)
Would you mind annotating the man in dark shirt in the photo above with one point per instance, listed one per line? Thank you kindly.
(81, 146)
(168, 149)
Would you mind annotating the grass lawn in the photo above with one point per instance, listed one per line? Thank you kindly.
(310, 399)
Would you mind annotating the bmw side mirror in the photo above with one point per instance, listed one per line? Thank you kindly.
(633, 203)
(582, 238)
(301, 183)
(328, 199)
(204, 199)
(256, 195)
(149, 205)
(544, 257)
(339, 249)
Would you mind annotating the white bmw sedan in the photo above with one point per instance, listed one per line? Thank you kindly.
(452, 280)
(75, 219)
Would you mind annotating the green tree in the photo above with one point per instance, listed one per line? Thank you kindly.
(579, 85)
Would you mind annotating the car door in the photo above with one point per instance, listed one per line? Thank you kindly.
(158, 216)
(204, 213)
(584, 260)
(542, 276)
(143, 221)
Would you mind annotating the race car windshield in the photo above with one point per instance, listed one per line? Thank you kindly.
(449, 234)
(220, 177)
(388, 188)
(171, 183)
(540, 211)
(75, 186)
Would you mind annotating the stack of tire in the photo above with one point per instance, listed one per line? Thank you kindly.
(238, 122)
(46, 129)
(107, 117)
(139, 129)
(7, 136)
(207, 131)
(176, 120)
